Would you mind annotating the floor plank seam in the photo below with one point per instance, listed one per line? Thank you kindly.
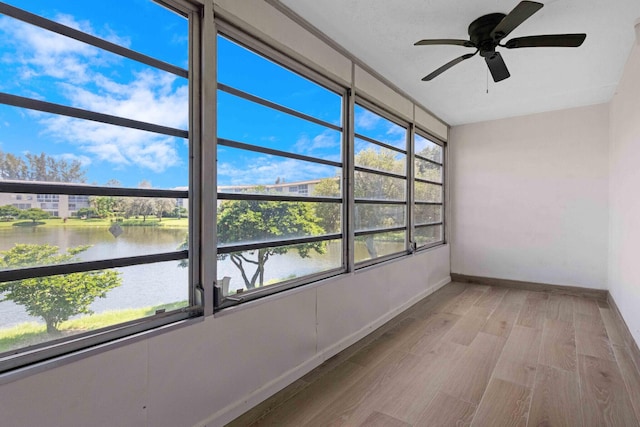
(578, 376)
(626, 381)
(492, 376)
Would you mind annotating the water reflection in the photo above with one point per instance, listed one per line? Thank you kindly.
(161, 283)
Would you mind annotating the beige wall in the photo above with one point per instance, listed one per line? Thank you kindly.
(624, 218)
(530, 197)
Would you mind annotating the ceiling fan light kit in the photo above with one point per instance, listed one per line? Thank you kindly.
(487, 32)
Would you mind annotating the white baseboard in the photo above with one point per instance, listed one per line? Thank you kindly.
(239, 407)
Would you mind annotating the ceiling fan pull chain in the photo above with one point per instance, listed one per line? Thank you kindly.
(487, 81)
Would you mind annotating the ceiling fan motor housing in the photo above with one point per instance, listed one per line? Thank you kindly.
(480, 33)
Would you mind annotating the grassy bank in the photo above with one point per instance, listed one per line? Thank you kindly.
(97, 222)
(31, 333)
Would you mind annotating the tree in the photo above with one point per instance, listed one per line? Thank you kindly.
(428, 170)
(34, 214)
(179, 212)
(13, 167)
(368, 186)
(40, 167)
(259, 221)
(54, 298)
(106, 206)
(87, 213)
(163, 206)
(143, 206)
(328, 213)
(9, 211)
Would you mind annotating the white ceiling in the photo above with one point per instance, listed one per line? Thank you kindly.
(381, 33)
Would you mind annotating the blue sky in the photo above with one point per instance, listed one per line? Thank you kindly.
(45, 66)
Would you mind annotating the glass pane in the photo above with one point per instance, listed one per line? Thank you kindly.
(425, 192)
(428, 149)
(379, 187)
(45, 229)
(63, 149)
(146, 27)
(46, 66)
(426, 214)
(372, 125)
(280, 264)
(371, 217)
(428, 170)
(251, 123)
(81, 302)
(242, 171)
(375, 157)
(242, 69)
(427, 235)
(377, 245)
(252, 221)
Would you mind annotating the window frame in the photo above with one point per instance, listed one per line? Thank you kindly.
(259, 48)
(443, 220)
(12, 360)
(365, 102)
(204, 296)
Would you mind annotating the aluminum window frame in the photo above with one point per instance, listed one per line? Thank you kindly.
(269, 53)
(443, 222)
(24, 357)
(366, 103)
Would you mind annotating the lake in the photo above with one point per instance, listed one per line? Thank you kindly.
(153, 284)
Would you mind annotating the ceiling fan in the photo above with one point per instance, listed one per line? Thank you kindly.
(486, 33)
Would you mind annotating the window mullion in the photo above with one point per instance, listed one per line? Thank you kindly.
(410, 186)
(349, 223)
(207, 166)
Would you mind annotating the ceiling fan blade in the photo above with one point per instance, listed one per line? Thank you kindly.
(555, 40)
(456, 42)
(497, 67)
(448, 65)
(517, 16)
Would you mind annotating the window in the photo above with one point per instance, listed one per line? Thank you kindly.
(380, 185)
(48, 197)
(107, 172)
(428, 184)
(105, 100)
(276, 126)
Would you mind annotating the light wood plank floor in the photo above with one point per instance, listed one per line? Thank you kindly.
(473, 355)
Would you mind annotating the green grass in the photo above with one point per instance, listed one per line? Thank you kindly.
(97, 222)
(31, 333)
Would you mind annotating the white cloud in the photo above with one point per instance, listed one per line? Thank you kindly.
(396, 130)
(265, 170)
(114, 144)
(70, 157)
(328, 139)
(151, 98)
(95, 80)
(40, 52)
(366, 119)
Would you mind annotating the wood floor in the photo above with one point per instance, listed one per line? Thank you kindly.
(473, 355)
